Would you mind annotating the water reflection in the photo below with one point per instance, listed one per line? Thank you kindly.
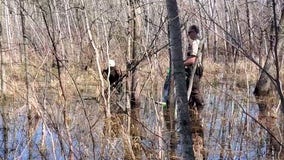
(232, 127)
(45, 144)
(229, 120)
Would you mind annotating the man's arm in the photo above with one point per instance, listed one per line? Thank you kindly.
(190, 60)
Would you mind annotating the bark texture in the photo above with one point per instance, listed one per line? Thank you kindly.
(185, 143)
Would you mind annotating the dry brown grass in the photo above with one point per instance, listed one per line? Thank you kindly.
(244, 73)
(152, 76)
(151, 73)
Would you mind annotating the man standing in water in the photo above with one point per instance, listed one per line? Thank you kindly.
(193, 67)
(193, 57)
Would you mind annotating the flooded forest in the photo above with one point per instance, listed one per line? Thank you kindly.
(57, 103)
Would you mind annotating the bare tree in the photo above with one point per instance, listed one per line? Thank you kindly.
(133, 83)
(2, 110)
(27, 104)
(270, 75)
(185, 146)
(2, 65)
(280, 45)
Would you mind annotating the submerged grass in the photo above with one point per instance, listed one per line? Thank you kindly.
(221, 116)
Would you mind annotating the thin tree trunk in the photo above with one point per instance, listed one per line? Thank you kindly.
(269, 79)
(226, 41)
(60, 31)
(67, 6)
(237, 32)
(281, 37)
(185, 146)
(135, 127)
(281, 59)
(24, 53)
(92, 42)
(2, 56)
(263, 86)
(215, 49)
(249, 25)
(2, 109)
(278, 50)
(8, 25)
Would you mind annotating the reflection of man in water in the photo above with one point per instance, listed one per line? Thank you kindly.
(114, 76)
(192, 58)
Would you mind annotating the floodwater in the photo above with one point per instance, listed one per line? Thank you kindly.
(233, 126)
(228, 120)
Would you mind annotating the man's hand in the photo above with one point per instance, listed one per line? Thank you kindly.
(190, 60)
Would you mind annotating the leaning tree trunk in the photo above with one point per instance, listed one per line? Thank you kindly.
(185, 149)
(270, 72)
(264, 96)
(268, 82)
(264, 91)
(263, 86)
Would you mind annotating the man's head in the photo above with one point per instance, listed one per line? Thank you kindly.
(111, 63)
(193, 32)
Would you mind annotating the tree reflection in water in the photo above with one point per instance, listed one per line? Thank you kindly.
(231, 127)
(235, 129)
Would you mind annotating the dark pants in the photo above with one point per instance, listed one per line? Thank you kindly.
(196, 97)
